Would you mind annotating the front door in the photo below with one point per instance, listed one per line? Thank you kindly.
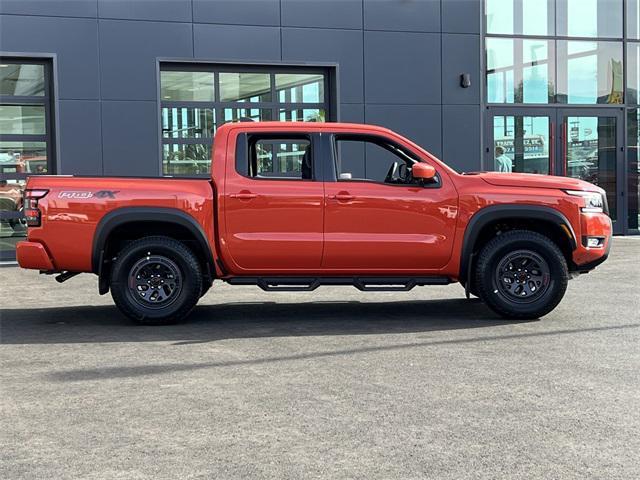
(377, 218)
(274, 205)
(576, 142)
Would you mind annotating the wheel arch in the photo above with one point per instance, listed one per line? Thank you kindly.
(494, 215)
(170, 222)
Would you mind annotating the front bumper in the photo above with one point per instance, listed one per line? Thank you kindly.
(592, 225)
(33, 255)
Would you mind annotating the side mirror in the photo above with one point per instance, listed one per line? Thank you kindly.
(423, 171)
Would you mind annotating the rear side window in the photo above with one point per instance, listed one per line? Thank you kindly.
(278, 158)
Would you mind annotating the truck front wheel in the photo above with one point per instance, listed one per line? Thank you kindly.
(156, 281)
(521, 274)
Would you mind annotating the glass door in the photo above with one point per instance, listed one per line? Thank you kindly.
(590, 148)
(519, 141)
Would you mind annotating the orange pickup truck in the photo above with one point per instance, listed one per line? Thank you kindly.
(293, 206)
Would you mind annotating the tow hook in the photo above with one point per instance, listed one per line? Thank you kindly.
(64, 276)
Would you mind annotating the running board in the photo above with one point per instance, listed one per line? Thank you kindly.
(365, 284)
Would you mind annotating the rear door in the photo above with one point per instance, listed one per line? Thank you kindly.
(274, 204)
(378, 218)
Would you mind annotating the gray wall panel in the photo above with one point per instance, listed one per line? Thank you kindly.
(244, 12)
(406, 15)
(402, 67)
(460, 54)
(461, 136)
(461, 16)
(165, 10)
(324, 45)
(232, 42)
(128, 52)
(74, 40)
(352, 113)
(322, 13)
(57, 8)
(80, 137)
(130, 136)
(420, 123)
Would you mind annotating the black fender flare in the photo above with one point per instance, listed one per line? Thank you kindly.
(123, 215)
(493, 213)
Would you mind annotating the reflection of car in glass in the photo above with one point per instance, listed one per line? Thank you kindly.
(314, 218)
(11, 201)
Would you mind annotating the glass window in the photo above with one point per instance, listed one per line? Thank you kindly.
(281, 158)
(187, 86)
(23, 157)
(369, 159)
(590, 72)
(22, 120)
(12, 224)
(633, 19)
(521, 17)
(186, 159)
(18, 79)
(245, 87)
(186, 122)
(633, 166)
(521, 144)
(302, 115)
(246, 115)
(589, 18)
(300, 88)
(520, 70)
(633, 72)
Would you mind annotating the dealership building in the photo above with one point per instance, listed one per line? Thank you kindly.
(138, 87)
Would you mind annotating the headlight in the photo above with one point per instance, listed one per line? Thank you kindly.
(593, 201)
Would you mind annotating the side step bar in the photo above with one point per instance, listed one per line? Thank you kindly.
(365, 284)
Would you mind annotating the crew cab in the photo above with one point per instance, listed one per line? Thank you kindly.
(293, 206)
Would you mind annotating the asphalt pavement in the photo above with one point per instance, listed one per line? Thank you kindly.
(331, 384)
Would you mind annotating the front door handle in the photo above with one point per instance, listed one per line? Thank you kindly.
(342, 197)
(243, 195)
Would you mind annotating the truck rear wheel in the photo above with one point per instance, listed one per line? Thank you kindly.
(156, 281)
(521, 274)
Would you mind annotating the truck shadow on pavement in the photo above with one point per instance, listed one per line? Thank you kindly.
(207, 323)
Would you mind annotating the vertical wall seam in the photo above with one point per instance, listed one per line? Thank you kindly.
(281, 52)
(102, 170)
(441, 85)
(193, 35)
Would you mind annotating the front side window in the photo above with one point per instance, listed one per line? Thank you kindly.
(196, 100)
(373, 159)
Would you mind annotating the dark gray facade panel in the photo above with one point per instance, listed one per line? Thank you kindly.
(322, 13)
(130, 138)
(238, 43)
(351, 113)
(461, 16)
(238, 12)
(419, 123)
(460, 54)
(73, 40)
(56, 8)
(461, 137)
(406, 15)
(402, 67)
(80, 137)
(164, 10)
(329, 45)
(128, 52)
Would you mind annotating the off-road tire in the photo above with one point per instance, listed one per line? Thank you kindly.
(500, 298)
(183, 268)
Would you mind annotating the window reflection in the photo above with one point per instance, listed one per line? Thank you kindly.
(633, 167)
(302, 115)
(187, 86)
(589, 18)
(245, 87)
(22, 79)
(633, 19)
(519, 70)
(184, 122)
(22, 120)
(590, 72)
(522, 17)
(186, 159)
(300, 88)
(521, 144)
(23, 157)
(633, 72)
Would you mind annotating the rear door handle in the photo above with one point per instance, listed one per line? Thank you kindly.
(244, 195)
(342, 197)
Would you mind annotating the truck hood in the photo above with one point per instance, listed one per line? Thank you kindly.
(532, 180)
